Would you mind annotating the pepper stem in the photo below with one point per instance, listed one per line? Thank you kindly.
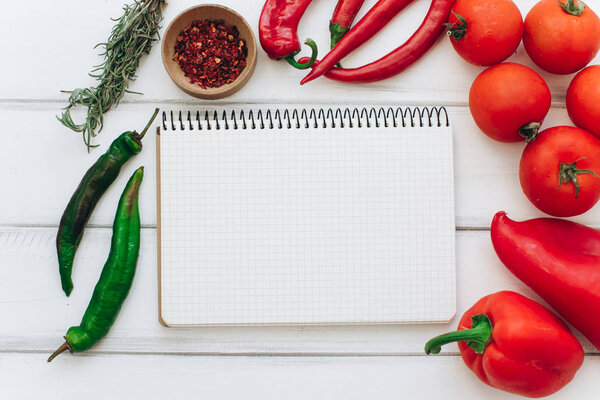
(456, 30)
(570, 7)
(477, 338)
(568, 173)
(337, 31)
(313, 57)
(529, 131)
(63, 347)
(141, 135)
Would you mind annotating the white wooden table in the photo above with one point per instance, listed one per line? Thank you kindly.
(47, 47)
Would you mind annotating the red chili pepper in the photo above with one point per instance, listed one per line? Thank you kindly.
(560, 261)
(396, 61)
(343, 16)
(376, 18)
(277, 30)
(514, 344)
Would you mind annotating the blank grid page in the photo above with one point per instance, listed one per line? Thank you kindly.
(316, 226)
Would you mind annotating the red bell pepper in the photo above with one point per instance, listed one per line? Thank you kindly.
(514, 344)
(560, 261)
(277, 31)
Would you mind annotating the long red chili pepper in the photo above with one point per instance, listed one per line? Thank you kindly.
(343, 16)
(560, 261)
(396, 61)
(277, 30)
(514, 344)
(375, 19)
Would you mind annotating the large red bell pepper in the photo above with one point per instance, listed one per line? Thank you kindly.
(514, 344)
(560, 261)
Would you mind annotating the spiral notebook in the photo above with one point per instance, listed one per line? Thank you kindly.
(305, 216)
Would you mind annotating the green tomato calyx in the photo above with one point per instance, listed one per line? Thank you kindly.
(568, 173)
(456, 30)
(529, 131)
(573, 7)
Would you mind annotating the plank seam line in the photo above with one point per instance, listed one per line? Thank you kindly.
(60, 103)
(153, 226)
(246, 354)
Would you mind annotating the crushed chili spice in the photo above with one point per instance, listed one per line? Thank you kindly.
(211, 53)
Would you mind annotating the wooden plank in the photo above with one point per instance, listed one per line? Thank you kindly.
(486, 172)
(39, 313)
(440, 77)
(157, 377)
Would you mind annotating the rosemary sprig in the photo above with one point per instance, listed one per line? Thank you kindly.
(130, 39)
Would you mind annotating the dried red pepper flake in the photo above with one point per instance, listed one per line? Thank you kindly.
(210, 53)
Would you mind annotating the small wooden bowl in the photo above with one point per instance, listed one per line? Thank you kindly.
(199, 13)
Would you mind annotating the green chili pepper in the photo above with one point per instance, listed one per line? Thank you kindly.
(117, 274)
(92, 186)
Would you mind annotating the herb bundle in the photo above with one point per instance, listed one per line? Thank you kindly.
(130, 39)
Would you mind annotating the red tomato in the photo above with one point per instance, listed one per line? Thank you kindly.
(489, 32)
(557, 39)
(506, 97)
(583, 99)
(557, 171)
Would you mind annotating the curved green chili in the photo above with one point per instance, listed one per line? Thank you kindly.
(94, 183)
(117, 275)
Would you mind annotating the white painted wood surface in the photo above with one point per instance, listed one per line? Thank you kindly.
(43, 161)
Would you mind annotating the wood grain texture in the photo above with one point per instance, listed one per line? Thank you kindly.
(42, 163)
(31, 298)
(28, 376)
(441, 76)
(50, 160)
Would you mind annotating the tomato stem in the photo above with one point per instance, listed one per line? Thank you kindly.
(572, 7)
(568, 173)
(456, 30)
(529, 131)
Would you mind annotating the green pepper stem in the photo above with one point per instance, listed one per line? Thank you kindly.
(141, 135)
(568, 173)
(456, 30)
(63, 347)
(337, 31)
(529, 131)
(477, 338)
(313, 57)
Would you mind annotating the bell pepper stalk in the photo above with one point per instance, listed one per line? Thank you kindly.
(514, 344)
(277, 31)
(560, 261)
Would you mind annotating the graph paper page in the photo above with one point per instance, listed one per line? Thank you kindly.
(321, 226)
